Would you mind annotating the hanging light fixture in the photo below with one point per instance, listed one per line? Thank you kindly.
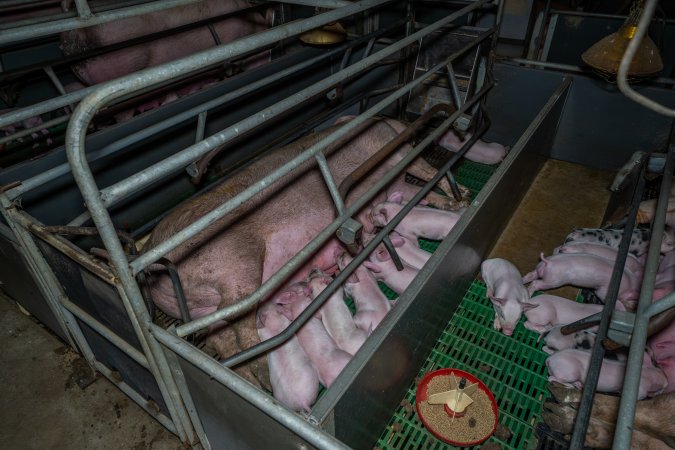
(331, 33)
(605, 55)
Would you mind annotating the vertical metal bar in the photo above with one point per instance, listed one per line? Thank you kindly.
(201, 125)
(54, 79)
(296, 424)
(626, 416)
(171, 243)
(598, 351)
(83, 9)
(330, 182)
(454, 89)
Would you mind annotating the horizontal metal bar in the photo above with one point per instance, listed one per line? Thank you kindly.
(291, 266)
(141, 401)
(596, 15)
(172, 121)
(254, 396)
(319, 3)
(181, 159)
(29, 131)
(188, 232)
(383, 234)
(57, 26)
(106, 332)
(166, 246)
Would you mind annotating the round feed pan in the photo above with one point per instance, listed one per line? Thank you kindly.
(431, 423)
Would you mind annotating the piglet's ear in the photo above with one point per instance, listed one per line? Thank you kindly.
(395, 197)
(498, 301)
(284, 298)
(528, 306)
(372, 266)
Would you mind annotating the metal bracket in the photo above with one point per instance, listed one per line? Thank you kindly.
(350, 234)
(463, 122)
(621, 327)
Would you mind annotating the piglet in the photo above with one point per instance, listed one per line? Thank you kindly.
(384, 269)
(555, 341)
(581, 270)
(294, 379)
(336, 316)
(633, 263)
(328, 359)
(481, 151)
(570, 366)
(371, 304)
(421, 221)
(506, 291)
(647, 210)
(407, 249)
(545, 311)
(639, 242)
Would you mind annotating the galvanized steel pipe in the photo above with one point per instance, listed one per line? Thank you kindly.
(296, 424)
(189, 154)
(168, 245)
(291, 266)
(626, 415)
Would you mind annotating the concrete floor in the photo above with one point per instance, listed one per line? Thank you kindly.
(42, 407)
(563, 196)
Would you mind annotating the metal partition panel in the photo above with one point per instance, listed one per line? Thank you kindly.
(230, 422)
(599, 128)
(361, 400)
(19, 284)
(102, 302)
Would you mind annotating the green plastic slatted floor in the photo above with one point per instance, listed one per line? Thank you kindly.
(512, 367)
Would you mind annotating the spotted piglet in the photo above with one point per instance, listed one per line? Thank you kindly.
(506, 291)
(639, 242)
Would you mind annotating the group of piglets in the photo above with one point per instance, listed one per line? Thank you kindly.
(326, 342)
(585, 260)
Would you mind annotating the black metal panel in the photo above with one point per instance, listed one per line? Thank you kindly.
(600, 127)
(102, 302)
(391, 367)
(19, 284)
(230, 422)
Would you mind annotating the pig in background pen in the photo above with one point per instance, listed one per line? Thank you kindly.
(233, 257)
(240, 21)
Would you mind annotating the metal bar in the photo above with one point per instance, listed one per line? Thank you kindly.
(129, 290)
(113, 377)
(598, 351)
(57, 26)
(319, 3)
(83, 9)
(29, 131)
(598, 15)
(254, 396)
(62, 169)
(54, 79)
(106, 332)
(201, 124)
(664, 304)
(330, 183)
(45, 279)
(275, 280)
(181, 159)
(629, 393)
(569, 68)
(454, 89)
(212, 216)
(313, 307)
(621, 77)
